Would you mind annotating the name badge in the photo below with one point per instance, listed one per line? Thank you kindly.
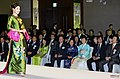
(34, 46)
(63, 47)
(114, 51)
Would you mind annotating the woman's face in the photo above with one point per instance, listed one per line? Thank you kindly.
(83, 40)
(71, 43)
(16, 10)
(95, 40)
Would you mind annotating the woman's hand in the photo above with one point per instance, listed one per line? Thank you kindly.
(69, 57)
(72, 61)
(29, 53)
(82, 51)
(22, 30)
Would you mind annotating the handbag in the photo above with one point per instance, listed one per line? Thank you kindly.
(14, 35)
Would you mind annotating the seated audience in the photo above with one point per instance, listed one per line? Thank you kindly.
(112, 55)
(98, 54)
(118, 34)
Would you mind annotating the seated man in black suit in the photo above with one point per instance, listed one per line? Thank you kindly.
(3, 49)
(98, 54)
(32, 49)
(61, 51)
(52, 49)
(118, 33)
(112, 55)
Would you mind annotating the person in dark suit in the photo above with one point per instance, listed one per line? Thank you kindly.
(61, 51)
(79, 33)
(3, 49)
(32, 49)
(52, 49)
(118, 34)
(70, 36)
(40, 40)
(98, 54)
(35, 31)
(106, 38)
(55, 27)
(110, 28)
(112, 55)
(29, 41)
(45, 34)
(91, 37)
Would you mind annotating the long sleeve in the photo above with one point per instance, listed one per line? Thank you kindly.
(9, 23)
(87, 51)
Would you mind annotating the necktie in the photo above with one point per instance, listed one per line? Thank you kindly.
(113, 47)
(60, 45)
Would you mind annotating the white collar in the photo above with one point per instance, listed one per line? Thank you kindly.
(114, 44)
(52, 39)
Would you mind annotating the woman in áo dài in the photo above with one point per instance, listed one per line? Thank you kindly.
(41, 58)
(16, 61)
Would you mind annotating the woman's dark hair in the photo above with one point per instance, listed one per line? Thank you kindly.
(99, 37)
(100, 33)
(83, 36)
(14, 5)
(46, 43)
(73, 41)
(91, 30)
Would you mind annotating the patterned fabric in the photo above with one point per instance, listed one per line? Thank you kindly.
(13, 35)
(17, 61)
